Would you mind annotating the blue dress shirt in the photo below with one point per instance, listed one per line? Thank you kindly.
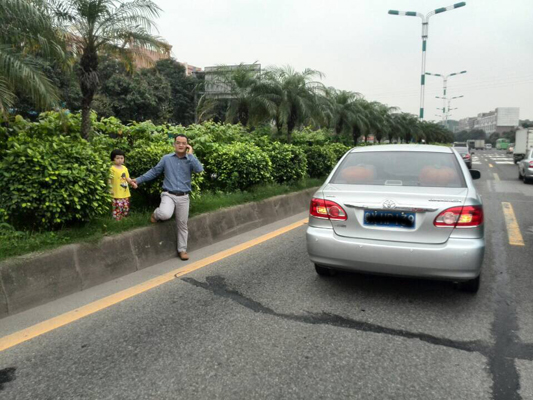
(177, 172)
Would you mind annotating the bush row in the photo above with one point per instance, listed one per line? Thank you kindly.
(50, 176)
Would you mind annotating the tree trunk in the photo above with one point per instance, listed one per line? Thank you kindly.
(88, 76)
(355, 135)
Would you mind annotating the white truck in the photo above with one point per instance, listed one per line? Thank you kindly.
(479, 144)
(523, 142)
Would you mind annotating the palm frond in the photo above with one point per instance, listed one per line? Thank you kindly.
(24, 73)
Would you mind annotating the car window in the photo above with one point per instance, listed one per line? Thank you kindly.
(462, 150)
(400, 168)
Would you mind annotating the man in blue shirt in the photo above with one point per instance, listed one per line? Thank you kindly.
(177, 167)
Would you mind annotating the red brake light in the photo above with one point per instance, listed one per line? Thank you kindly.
(327, 209)
(467, 156)
(531, 164)
(460, 217)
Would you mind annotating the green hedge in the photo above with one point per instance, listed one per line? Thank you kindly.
(52, 180)
(289, 162)
(51, 176)
(237, 166)
(322, 159)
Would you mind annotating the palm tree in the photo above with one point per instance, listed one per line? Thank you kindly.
(343, 109)
(360, 119)
(296, 96)
(119, 28)
(27, 32)
(250, 101)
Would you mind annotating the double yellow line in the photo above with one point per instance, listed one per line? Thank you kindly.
(46, 326)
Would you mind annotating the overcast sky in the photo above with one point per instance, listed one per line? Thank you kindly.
(359, 47)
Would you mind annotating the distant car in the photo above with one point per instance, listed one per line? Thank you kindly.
(464, 152)
(405, 210)
(525, 167)
(488, 146)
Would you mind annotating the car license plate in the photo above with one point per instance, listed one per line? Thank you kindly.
(390, 219)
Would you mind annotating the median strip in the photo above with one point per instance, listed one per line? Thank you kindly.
(513, 230)
(46, 326)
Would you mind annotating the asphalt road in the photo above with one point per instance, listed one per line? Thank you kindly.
(262, 325)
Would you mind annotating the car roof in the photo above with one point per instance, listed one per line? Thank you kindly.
(425, 148)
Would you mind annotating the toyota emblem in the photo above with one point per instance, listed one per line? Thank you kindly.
(389, 204)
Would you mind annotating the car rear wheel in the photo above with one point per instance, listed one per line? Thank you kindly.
(471, 286)
(324, 271)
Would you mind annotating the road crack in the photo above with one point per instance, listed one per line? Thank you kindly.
(217, 285)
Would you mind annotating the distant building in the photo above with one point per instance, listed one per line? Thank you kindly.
(190, 69)
(501, 120)
(466, 124)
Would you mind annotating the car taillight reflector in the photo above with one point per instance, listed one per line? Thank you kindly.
(327, 209)
(460, 217)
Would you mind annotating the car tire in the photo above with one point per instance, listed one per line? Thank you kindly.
(471, 286)
(324, 271)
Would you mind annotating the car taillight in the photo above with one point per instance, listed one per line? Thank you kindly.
(327, 209)
(467, 156)
(531, 164)
(460, 217)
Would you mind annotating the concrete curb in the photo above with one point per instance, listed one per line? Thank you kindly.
(37, 278)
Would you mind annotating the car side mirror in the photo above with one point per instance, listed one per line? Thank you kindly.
(475, 174)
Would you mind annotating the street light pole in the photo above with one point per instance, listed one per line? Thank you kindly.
(449, 102)
(425, 23)
(444, 87)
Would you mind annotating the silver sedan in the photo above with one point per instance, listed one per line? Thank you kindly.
(405, 210)
(525, 167)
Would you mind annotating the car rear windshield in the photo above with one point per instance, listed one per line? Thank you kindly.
(400, 168)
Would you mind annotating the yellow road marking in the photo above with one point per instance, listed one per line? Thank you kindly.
(490, 165)
(46, 326)
(496, 177)
(513, 230)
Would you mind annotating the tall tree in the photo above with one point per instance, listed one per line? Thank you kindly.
(27, 32)
(343, 110)
(119, 28)
(183, 90)
(296, 96)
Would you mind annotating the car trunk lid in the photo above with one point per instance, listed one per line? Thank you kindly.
(370, 208)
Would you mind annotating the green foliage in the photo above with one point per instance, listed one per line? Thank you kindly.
(49, 181)
(320, 160)
(289, 163)
(204, 137)
(238, 166)
(309, 137)
(142, 96)
(182, 91)
(338, 150)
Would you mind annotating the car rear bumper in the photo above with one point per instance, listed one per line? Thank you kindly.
(457, 259)
(528, 172)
